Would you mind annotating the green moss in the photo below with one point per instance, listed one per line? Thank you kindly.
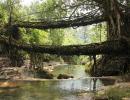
(88, 67)
(118, 93)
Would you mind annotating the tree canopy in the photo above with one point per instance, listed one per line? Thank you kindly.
(52, 14)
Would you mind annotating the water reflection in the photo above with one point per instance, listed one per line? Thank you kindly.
(46, 90)
(53, 89)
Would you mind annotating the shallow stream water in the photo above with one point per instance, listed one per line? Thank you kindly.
(70, 89)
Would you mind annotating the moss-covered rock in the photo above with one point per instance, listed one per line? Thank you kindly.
(44, 74)
(64, 76)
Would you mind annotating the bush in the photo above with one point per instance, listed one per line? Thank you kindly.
(118, 93)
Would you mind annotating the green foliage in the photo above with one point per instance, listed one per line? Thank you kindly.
(118, 93)
(47, 11)
(51, 10)
(35, 36)
(39, 37)
(77, 60)
(56, 36)
(70, 37)
(96, 33)
(3, 14)
(88, 68)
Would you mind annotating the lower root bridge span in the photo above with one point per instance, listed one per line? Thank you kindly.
(115, 47)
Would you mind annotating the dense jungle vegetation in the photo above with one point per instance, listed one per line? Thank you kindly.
(13, 11)
(91, 33)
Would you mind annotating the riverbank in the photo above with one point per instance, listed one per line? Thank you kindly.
(80, 85)
(25, 71)
(119, 91)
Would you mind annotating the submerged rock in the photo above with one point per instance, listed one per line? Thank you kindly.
(64, 76)
(44, 74)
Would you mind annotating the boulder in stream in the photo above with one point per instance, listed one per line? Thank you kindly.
(44, 74)
(64, 76)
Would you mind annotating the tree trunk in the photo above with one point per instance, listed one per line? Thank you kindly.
(118, 27)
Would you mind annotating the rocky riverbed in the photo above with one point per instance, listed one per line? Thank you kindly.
(113, 85)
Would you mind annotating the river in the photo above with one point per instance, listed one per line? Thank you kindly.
(54, 89)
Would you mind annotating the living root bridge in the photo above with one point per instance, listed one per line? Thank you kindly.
(115, 47)
(59, 24)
